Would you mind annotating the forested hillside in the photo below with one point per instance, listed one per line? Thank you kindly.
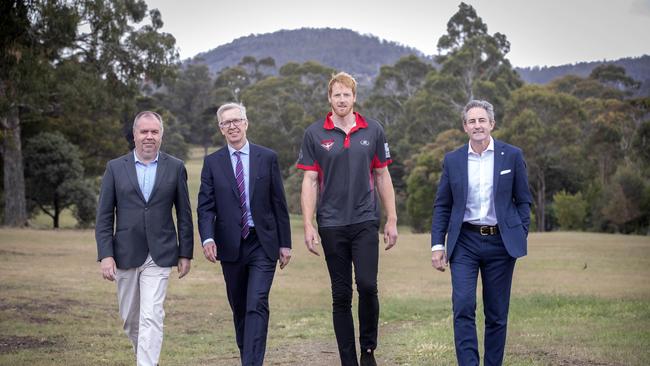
(341, 49)
(585, 137)
(638, 68)
(363, 55)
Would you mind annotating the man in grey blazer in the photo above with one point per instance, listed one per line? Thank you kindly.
(137, 241)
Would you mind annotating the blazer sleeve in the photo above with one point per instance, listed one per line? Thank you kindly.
(105, 219)
(521, 192)
(184, 215)
(206, 209)
(279, 204)
(442, 206)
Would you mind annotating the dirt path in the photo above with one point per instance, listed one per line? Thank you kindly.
(309, 353)
(316, 353)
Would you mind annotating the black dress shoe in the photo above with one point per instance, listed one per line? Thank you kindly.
(368, 358)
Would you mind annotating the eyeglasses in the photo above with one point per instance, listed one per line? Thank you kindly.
(235, 122)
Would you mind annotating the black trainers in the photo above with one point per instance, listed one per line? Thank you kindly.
(368, 358)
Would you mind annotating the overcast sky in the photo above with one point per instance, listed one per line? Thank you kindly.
(541, 32)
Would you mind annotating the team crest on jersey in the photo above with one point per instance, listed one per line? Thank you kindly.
(327, 144)
(364, 143)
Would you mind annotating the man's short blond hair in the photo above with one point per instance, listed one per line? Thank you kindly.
(345, 79)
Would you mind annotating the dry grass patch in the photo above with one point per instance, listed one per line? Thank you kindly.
(578, 299)
(56, 310)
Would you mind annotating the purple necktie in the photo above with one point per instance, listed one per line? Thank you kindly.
(239, 176)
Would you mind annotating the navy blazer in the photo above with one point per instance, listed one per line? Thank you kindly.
(512, 198)
(219, 214)
(128, 227)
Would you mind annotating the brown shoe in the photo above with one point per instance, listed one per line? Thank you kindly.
(368, 358)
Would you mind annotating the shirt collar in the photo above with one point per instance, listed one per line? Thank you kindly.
(489, 148)
(359, 121)
(244, 150)
(135, 156)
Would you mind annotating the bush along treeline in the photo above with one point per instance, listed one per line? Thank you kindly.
(585, 139)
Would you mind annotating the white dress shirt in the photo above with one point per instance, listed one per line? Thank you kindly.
(479, 209)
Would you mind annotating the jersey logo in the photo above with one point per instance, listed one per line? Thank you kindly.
(327, 144)
(364, 142)
(387, 150)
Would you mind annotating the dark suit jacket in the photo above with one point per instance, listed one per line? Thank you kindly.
(219, 212)
(128, 227)
(512, 198)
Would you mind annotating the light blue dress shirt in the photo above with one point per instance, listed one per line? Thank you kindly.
(146, 175)
(245, 160)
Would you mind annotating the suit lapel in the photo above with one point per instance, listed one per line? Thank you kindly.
(499, 156)
(253, 165)
(129, 166)
(463, 158)
(160, 172)
(226, 166)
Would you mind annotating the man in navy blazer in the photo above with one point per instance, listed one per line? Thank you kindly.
(483, 206)
(244, 223)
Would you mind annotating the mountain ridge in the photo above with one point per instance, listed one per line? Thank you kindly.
(366, 53)
(324, 45)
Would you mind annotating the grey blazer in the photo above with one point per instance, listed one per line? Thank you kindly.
(128, 227)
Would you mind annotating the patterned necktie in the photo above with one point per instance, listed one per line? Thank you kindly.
(239, 176)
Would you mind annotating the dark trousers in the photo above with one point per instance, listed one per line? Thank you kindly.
(487, 254)
(248, 283)
(345, 246)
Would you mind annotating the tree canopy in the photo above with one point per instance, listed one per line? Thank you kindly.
(76, 67)
(83, 69)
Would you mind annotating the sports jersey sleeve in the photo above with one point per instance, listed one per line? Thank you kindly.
(307, 156)
(382, 152)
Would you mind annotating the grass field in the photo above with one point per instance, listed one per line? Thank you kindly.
(56, 310)
(578, 299)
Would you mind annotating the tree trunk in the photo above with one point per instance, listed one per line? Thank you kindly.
(603, 170)
(15, 210)
(57, 211)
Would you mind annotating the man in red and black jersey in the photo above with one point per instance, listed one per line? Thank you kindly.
(345, 158)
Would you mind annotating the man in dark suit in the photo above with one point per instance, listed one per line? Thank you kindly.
(483, 206)
(137, 242)
(244, 223)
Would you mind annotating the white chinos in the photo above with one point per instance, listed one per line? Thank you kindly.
(141, 293)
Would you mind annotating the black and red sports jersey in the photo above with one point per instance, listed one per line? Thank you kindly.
(345, 164)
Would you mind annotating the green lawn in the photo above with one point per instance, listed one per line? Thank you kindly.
(56, 310)
(578, 299)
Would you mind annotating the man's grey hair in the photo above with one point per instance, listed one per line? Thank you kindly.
(229, 106)
(151, 114)
(478, 104)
